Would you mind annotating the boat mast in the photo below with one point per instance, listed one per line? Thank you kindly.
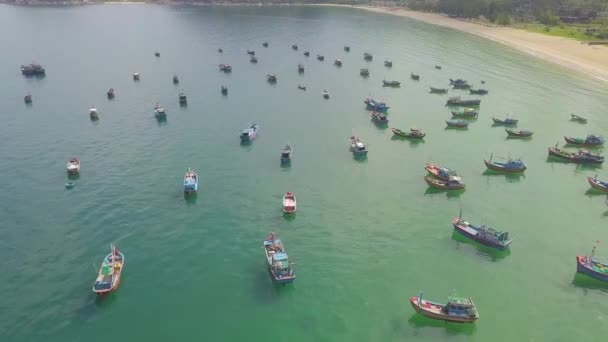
(420, 297)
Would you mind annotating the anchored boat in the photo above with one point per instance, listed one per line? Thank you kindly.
(321, 57)
(413, 133)
(386, 83)
(453, 183)
(591, 267)
(225, 67)
(388, 64)
(224, 90)
(250, 132)
(135, 76)
(286, 154)
(175, 79)
(415, 77)
(598, 184)
(271, 78)
(111, 268)
(460, 310)
(300, 68)
(478, 91)
(512, 165)
(483, 234)
(251, 52)
(357, 147)
(518, 134)
(289, 203)
(379, 118)
(325, 94)
(33, 70)
(505, 122)
(580, 157)
(466, 113)
(457, 101)
(375, 105)
(591, 140)
(159, 112)
(93, 113)
(183, 100)
(338, 62)
(110, 93)
(280, 267)
(438, 90)
(457, 123)
(368, 56)
(27, 98)
(73, 166)
(442, 173)
(190, 182)
(253, 60)
(577, 118)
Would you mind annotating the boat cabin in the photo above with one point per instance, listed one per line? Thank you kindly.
(463, 307)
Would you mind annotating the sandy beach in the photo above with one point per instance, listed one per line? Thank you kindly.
(591, 60)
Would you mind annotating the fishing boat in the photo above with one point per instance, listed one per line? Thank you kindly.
(225, 67)
(338, 62)
(159, 112)
(325, 94)
(300, 68)
(466, 113)
(73, 166)
(577, 118)
(271, 78)
(110, 93)
(512, 165)
(518, 134)
(439, 90)
(368, 56)
(252, 59)
(478, 91)
(438, 67)
(321, 57)
(457, 123)
(505, 122)
(591, 140)
(375, 105)
(415, 77)
(93, 113)
(224, 90)
(386, 83)
(483, 234)
(251, 52)
(27, 98)
(458, 81)
(33, 70)
(280, 267)
(157, 54)
(460, 310)
(190, 182)
(442, 173)
(388, 64)
(307, 53)
(250, 132)
(379, 118)
(453, 183)
(301, 87)
(357, 147)
(457, 101)
(286, 152)
(111, 268)
(265, 44)
(580, 157)
(589, 266)
(220, 50)
(413, 133)
(347, 48)
(135, 76)
(182, 98)
(289, 203)
(364, 72)
(294, 46)
(598, 184)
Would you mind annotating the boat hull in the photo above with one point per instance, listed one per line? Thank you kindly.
(597, 185)
(434, 315)
(581, 267)
(439, 184)
(570, 157)
(462, 231)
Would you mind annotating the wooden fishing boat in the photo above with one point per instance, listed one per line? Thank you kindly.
(364, 72)
(483, 234)
(453, 183)
(135, 76)
(183, 100)
(93, 113)
(598, 184)
(73, 166)
(33, 69)
(307, 53)
(505, 122)
(265, 44)
(368, 56)
(375, 105)
(271, 78)
(294, 46)
(386, 83)
(286, 154)
(357, 147)
(457, 101)
(224, 90)
(253, 59)
(301, 87)
(159, 112)
(250, 132)
(225, 67)
(518, 134)
(379, 118)
(457, 123)
(325, 94)
(110, 93)
(580, 157)
(415, 77)
(289, 203)
(460, 310)
(591, 140)
(388, 63)
(347, 48)
(251, 52)
(459, 83)
(190, 182)
(466, 113)
(280, 267)
(593, 268)
(338, 62)
(577, 118)
(477, 91)
(442, 173)
(27, 98)
(439, 90)
(413, 133)
(512, 165)
(300, 68)
(111, 268)
(175, 79)
(321, 57)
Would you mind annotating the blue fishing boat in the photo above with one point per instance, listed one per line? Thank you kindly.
(286, 154)
(591, 140)
(512, 165)
(483, 234)
(457, 123)
(190, 182)
(357, 147)
(375, 105)
(505, 122)
(466, 113)
(279, 265)
(589, 266)
(250, 132)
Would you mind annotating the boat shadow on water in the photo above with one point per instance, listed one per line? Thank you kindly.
(448, 193)
(190, 197)
(418, 321)
(360, 158)
(413, 142)
(593, 193)
(485, 252)
(588, 283)
(161, 121)
(289, 217)
(511, 177)
(73, 176)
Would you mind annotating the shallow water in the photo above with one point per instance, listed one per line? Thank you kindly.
(368, 233)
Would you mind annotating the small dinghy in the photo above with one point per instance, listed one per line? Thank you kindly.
(110, 93)
(578, 119)
(301, 87)
(289, 203)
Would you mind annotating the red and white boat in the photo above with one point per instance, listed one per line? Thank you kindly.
(289, 203)
(73, 166)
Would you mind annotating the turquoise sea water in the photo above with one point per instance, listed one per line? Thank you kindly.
(368, 234)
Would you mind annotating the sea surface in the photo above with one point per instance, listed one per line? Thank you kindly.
(368, 233)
